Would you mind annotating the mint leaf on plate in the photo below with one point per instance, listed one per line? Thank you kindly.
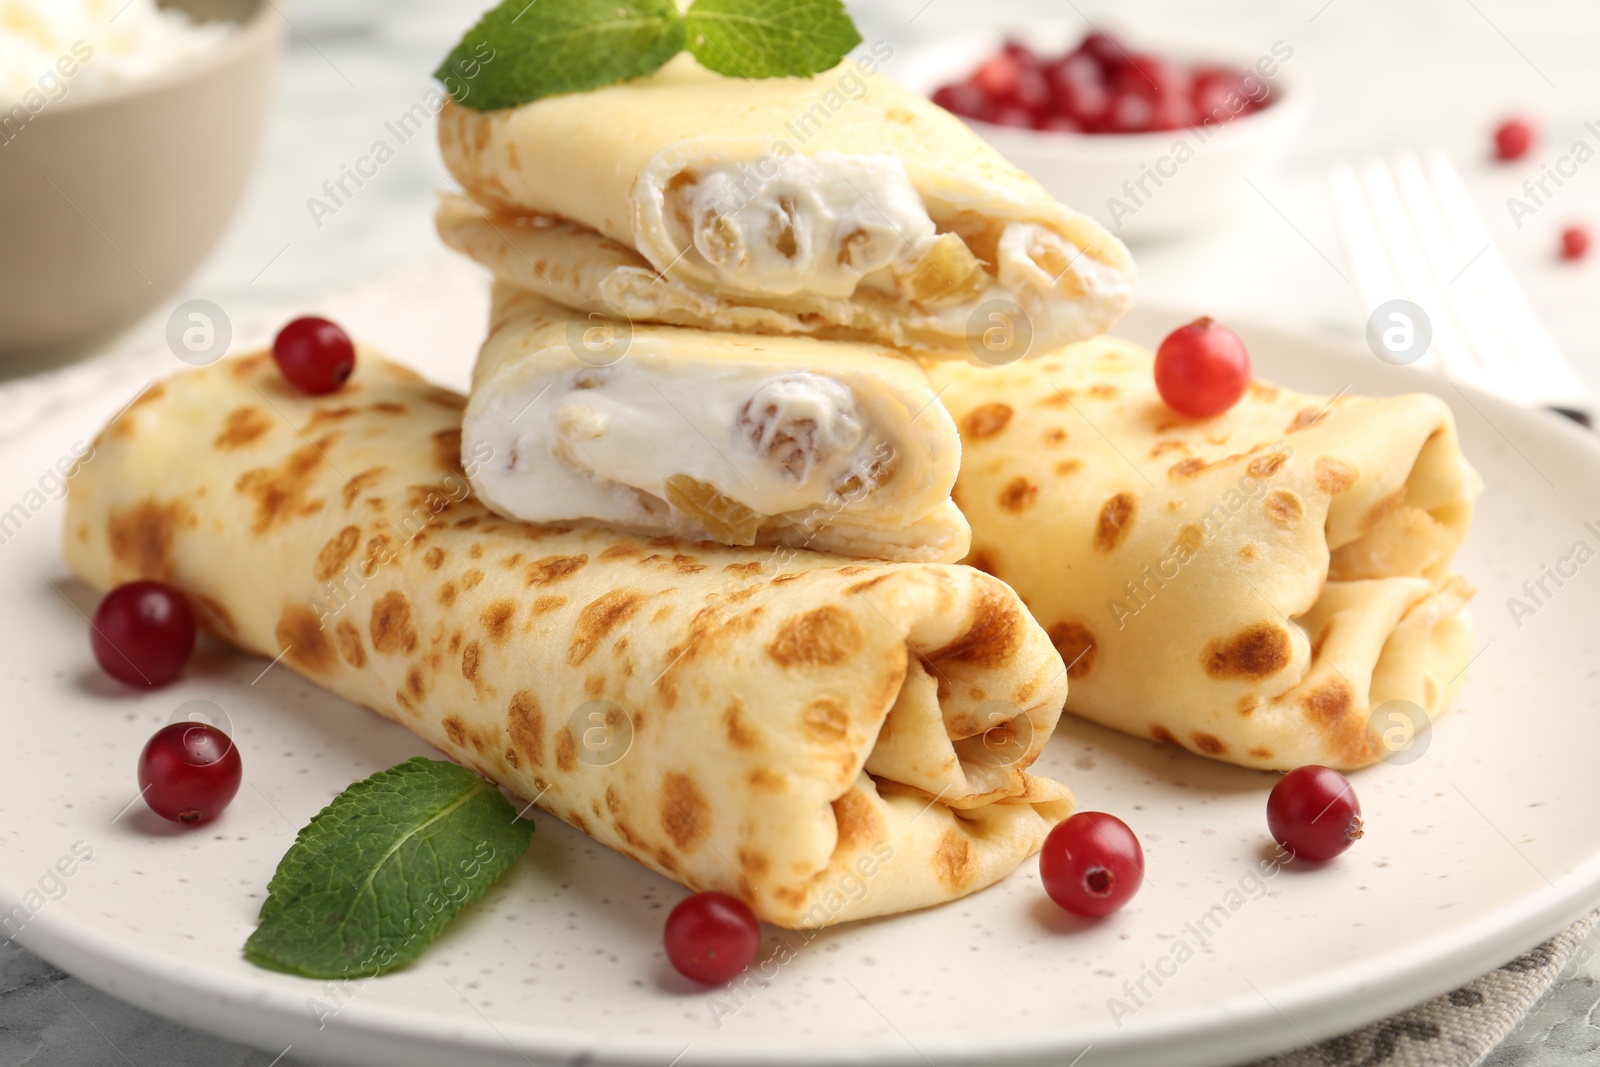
(374, 876)
(524, 50)
(770, 38)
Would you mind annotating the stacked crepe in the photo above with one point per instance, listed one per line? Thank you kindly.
(683, 569)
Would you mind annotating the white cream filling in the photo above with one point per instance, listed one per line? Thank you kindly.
(602, 442)
(829, 224)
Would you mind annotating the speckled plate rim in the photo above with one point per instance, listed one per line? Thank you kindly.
(272, 1016)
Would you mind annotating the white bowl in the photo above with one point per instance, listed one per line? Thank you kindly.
(112, 195)
(1100, 174)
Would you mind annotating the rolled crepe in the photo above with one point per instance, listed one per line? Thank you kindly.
(827, 740)
(1251, 587)
(840, 206)
(744, 440)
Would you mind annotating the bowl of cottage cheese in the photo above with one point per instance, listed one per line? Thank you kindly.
(128, 131)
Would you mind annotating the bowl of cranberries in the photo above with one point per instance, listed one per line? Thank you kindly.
(1150, 141)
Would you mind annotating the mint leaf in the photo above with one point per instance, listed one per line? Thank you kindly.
(524, 50)
(374, 876)
(770, 38)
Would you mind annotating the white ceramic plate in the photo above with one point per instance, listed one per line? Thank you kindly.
(1474, 853)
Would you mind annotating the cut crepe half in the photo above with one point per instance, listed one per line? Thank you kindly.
(840, 206)
(1252, 587)
(827, 740)
(741, 439)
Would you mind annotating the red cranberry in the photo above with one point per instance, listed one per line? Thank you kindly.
(1513, 139)
(1130, 113)
(997, 77)
(314, 354)
(1025, 57)
(1314, 813)
(188, 772)
(1011, 115)
(1091, 864)
(1106, 50)
(1574, 242)
(711, 937)
(1152, 78)
(142, 633)
(966, 100)
(1032, 92)
(1202, 369)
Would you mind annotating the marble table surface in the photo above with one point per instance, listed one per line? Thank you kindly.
(1398, 74)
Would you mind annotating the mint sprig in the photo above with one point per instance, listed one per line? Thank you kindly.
(525, 50)
(770, 38)
(376, 875)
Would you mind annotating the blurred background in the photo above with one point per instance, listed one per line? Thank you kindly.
(1384, 76)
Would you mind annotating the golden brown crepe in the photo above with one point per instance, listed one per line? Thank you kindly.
(840, 206)
(1251, 587)
(827, 740)
(742, 439)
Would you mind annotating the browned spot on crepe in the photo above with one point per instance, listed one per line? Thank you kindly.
(1305, 417)
(140, 536)
(599, 618)
(243, 426)
(821, 637)
(339, 548)
(1247, 552)
(753, 862)
(469, 661)
(360, 484)
(300, 632)
(447, 450)
(246, 366)
(1017, 495)
(554, 568)
(685, 814)
(1254, 652)
(1164, 735)
(1265, 466)
(858, 821)
(625, 550)
(433, 558)
(1161, 448)
(1335, 475)
(1116, 518)
(416, 684)
(1104, 392)
(546, 604)
(1186, 468)
(765, 781)
(1210, 744)
(743, 570)
(1055, 436)
(391, 627)
(280, 494)
(1328, 703)
(1064, 467)
(952, 860)
(1076, 644)
(1328, 707)
(496, 619)
(825, 721)
(742, 733)
(455, 730)
(350, 647)
(525, 724)
(1249, 704)
(993, 634)
(986, 420)
(1283, 507)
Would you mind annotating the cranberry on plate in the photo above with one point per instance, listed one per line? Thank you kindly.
(142, 633)
(1574, 242)
(1314, 813)
(711, 937)
(1091, 864)
(188, 772)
